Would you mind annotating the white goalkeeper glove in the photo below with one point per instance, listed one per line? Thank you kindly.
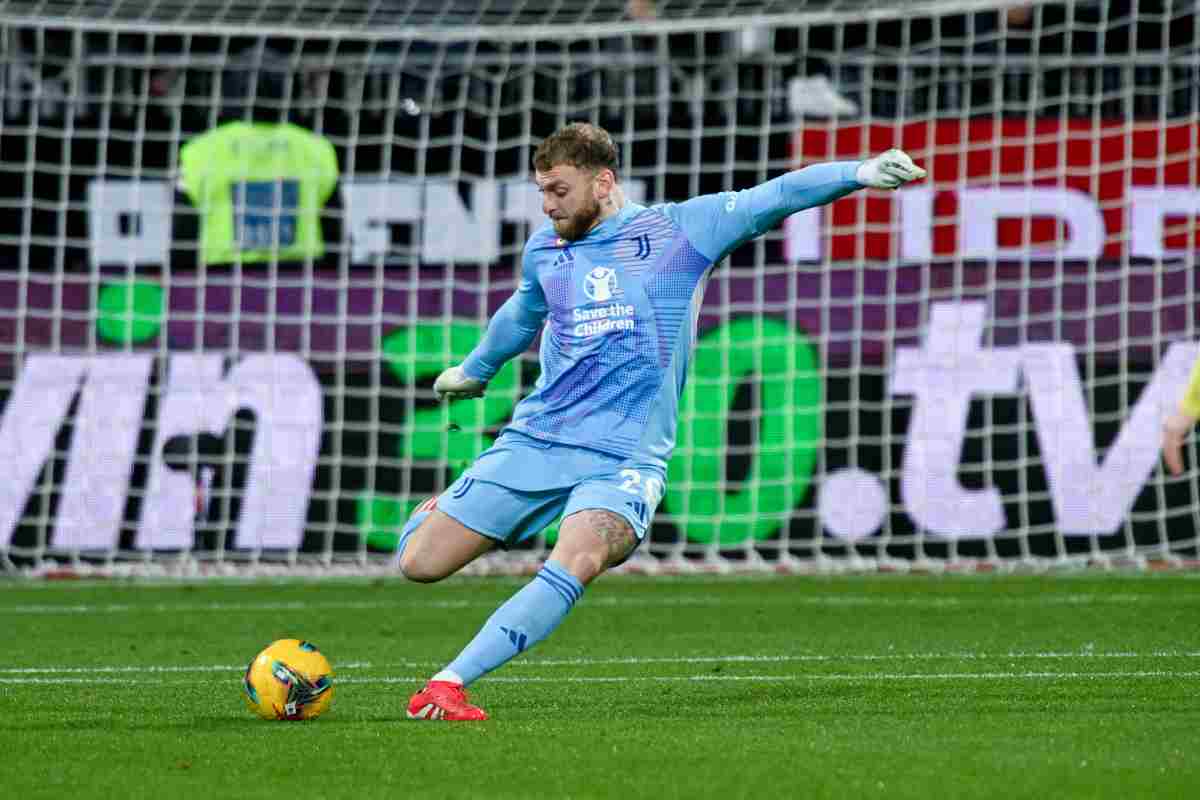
(454, 383)
(888, 170)
(1175, 430)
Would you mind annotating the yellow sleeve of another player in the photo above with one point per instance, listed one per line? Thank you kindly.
(1190, 404)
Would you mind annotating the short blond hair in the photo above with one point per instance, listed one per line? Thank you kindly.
(579, 144)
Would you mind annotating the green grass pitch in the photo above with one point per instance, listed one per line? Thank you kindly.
(1067, 686)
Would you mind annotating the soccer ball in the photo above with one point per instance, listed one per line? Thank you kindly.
(289, 680)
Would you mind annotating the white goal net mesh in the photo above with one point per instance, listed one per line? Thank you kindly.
(969, 373)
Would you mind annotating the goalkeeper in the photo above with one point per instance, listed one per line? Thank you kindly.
(618, 287)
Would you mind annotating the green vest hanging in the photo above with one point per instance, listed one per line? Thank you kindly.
(259, 188)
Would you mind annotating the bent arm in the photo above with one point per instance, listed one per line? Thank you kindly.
(511, 330)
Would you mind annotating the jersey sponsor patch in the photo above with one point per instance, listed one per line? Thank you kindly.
(595, 321)
(601, 284)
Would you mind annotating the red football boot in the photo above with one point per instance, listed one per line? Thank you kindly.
(444, 700)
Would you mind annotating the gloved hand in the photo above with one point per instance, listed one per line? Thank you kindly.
(888, 170)
(1176, 429)
(454, 383)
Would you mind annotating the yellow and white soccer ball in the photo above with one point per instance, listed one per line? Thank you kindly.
(290, 679)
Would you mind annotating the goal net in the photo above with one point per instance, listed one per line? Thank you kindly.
(212, 366)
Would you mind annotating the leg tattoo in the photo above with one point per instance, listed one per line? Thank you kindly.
(617, 533)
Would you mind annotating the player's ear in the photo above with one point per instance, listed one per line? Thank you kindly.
(604, 183)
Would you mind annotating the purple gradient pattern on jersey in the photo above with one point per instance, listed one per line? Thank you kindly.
(671, 289)
(624, 374)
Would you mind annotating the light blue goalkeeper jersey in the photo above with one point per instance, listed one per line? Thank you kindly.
(620, 307)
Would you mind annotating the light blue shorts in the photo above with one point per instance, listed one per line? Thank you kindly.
(521, 485)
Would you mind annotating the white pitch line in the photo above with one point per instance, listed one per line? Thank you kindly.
(173, 608)
(83, 681)
(866, 676)
(149, 669)
(607, 601)
(631, 661)
(869, 676)
(560, 662)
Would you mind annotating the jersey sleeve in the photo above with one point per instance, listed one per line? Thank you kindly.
(512, 328)
(717, 224)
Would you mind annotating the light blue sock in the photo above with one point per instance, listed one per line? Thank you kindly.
(525, 619)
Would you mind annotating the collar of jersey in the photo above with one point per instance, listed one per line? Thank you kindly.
(616, 221)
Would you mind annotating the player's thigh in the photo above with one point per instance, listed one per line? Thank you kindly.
(472, 517)
(631, 491)
(441, 546)
(500, 512)
(607, 517)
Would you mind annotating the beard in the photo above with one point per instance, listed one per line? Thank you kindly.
(577, 225)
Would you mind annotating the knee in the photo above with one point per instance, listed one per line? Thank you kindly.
(584, 563)
(586, 566)
(412, 568)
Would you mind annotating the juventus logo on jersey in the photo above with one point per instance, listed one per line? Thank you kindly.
(643, 246)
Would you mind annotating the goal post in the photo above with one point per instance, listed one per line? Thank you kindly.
(970, 373)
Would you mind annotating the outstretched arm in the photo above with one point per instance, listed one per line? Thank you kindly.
(511, 330)
(1179, 425)
(717, 224)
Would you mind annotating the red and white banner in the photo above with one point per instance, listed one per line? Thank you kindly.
(1044, 189)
